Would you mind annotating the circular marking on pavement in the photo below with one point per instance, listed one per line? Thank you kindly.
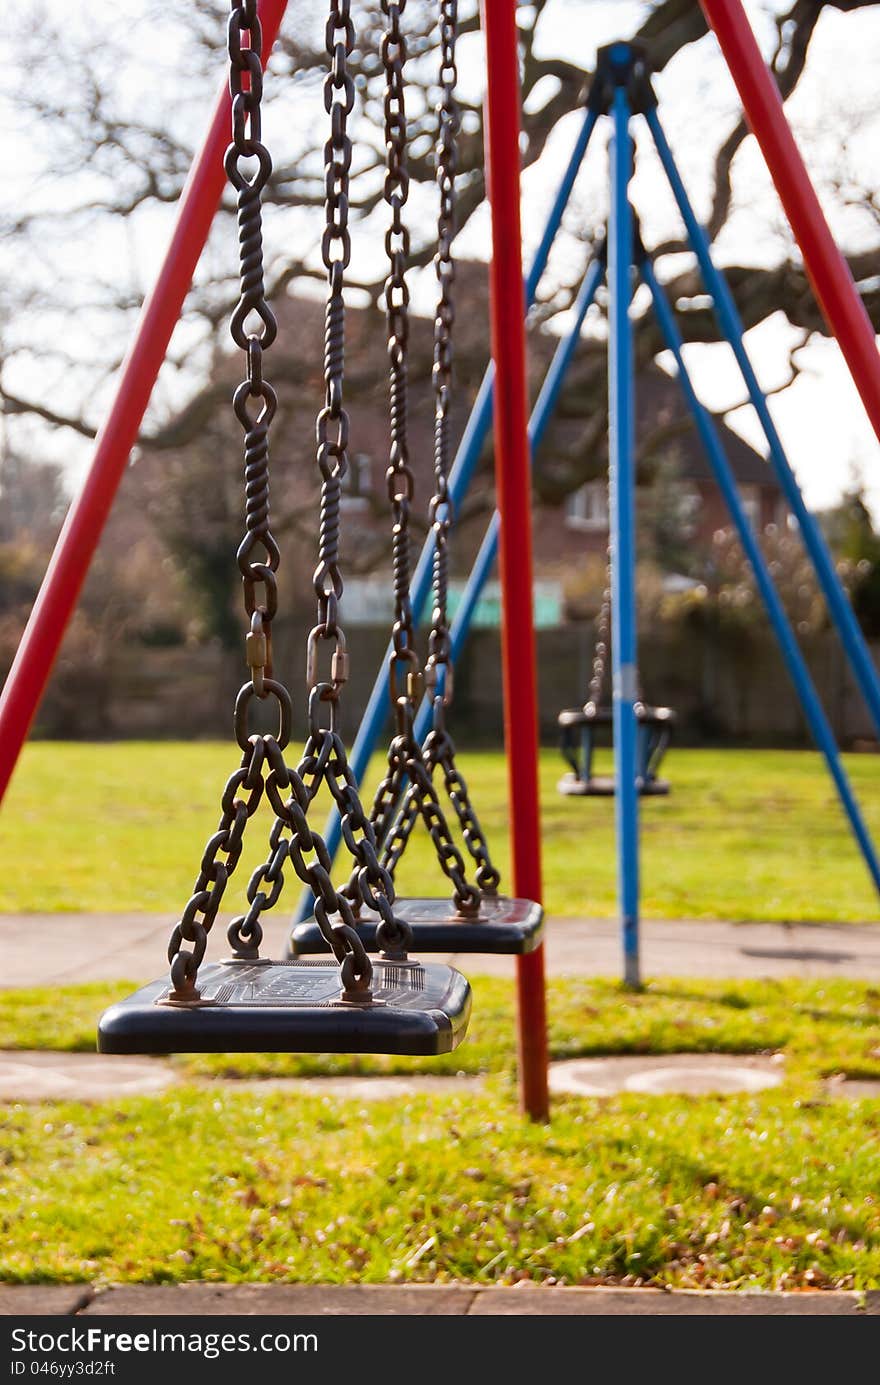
(687, 1074)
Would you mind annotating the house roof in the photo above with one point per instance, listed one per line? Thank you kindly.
(661, 410)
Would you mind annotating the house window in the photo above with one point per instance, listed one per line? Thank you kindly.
(689, 506)
(587, 507)
(751, 503)
(357, 485)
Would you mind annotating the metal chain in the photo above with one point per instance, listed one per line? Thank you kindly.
(405, 761)
(439, 748)
(421, 799)
(199, 915)
(441, 513)
(603, 640)
(333, 424)
(325, 759)
(306, 849)
(398, 477)
(253, 329)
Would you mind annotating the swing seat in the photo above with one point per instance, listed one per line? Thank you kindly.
(503, 926)
(579, 727)
(603, 786)
(295, 1007)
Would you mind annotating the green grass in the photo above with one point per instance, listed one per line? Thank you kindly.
(206, 1182)
(743, 1192)
(822, 1027)
(744, 835)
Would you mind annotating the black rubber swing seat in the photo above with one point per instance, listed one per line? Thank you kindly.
(603, 786)
(295, 1007)
(578, 726)
(503, 926)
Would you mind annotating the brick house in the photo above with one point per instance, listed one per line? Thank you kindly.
(661, 413)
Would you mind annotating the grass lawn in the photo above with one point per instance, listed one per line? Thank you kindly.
(744, 835)
(777, 1190)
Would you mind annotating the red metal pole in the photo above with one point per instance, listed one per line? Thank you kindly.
(512, 473)
(88, 514)
(828, 271)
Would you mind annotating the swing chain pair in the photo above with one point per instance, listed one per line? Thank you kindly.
(439, 748)
(405, 754)
(325, 759)
(253, 328)
(263, 767)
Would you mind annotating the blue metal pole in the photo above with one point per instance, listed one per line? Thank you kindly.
(794, 659)
(460, 477)
(731, 325)
(557, 211)
(541, 415)
(621, 464)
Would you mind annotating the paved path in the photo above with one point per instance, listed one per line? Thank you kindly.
(65, 948)
(460, 1300)
(48, 1076)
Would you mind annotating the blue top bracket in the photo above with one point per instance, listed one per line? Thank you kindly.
(622, 65)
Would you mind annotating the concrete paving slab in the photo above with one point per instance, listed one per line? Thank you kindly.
(281, 1300)
(419, 1300)
(43, 1300)
(627, 1303)
(65, 948)
(690, 1074)
(852, 1089)
(43, 1076)
(591, 947)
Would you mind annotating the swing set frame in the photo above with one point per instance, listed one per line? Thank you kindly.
(76, 545)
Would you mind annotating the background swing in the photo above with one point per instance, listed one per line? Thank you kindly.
(580, 729)
(476, 919)
(349, 1005)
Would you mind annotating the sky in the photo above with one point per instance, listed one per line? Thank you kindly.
(820, 418)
